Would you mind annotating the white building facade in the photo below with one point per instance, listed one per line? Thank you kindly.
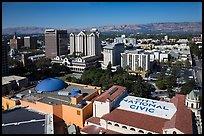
(85, 43)
(193, 103)
(77, 64)
(135, 60)
(111, 53)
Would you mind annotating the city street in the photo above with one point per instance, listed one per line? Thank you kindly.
(198, 73)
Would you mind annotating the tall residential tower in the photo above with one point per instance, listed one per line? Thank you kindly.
(85, 43)
(135, 60)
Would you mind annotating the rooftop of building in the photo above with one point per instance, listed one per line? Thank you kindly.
(53, 98)
(85, 58)
(21, 120)
(94, 120)
(193, 95)
(137, 120)
(111, 93)
(7, 79)
(182, 119)
(50, 84)
(86, 32)
(112, 45)
(109, 46)
(135, 51)
(27, 37)
(36, 56)
(54, 30)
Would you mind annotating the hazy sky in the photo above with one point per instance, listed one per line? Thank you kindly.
(90, 14)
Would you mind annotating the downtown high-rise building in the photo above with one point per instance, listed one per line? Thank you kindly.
(30, 42)
(85, 43)
(111, 53)
(55, 42)
(5, 66)
(16, 42)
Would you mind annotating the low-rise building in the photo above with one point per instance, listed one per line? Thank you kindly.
(77, 64)
(115, 112)
(69, 102)
(24, 120)
(10, 83)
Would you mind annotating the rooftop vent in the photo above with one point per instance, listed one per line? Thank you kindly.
(113, 90)
(19, 95)
(63, 93)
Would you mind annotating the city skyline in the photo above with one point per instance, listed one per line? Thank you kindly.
(93, 14)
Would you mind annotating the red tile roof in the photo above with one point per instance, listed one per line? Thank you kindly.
(182, 119)
(94, 120)
(135, 119)
(103, 97)
(91, 129)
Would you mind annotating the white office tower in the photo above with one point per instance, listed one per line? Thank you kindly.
(135, 59)
(111, 53)
(85, 43)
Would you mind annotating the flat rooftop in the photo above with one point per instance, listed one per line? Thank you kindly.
(53, 98)
(7, 79)
(22, 121)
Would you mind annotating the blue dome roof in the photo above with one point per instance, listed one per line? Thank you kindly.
(50, 84)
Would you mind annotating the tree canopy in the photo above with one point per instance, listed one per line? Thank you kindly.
(188, 87)
(107, 78)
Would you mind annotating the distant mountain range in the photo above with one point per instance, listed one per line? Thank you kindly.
(187, 27)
